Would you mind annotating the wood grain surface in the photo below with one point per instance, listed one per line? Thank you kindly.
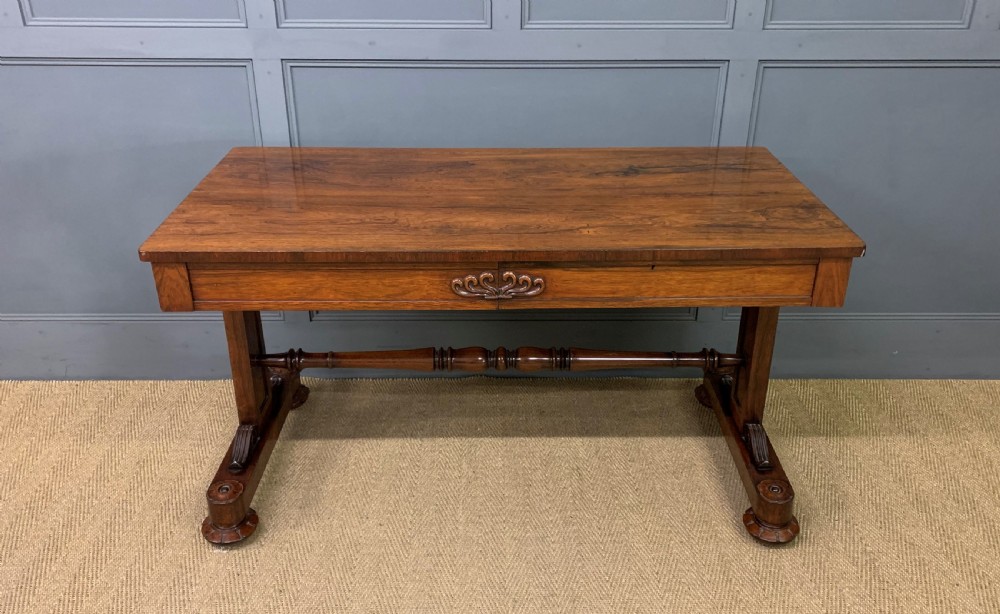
(401, 287)
(831, 282)
(318, 287)
(338, 205)
(680, 285)
(173, 284)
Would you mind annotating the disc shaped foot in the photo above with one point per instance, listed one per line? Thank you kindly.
(768, 533)
(230, 535)
(230, 518)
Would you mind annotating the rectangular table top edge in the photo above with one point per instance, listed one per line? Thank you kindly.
(502, 150)
(720, 254)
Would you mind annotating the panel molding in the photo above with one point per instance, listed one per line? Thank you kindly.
(845, 24)
(30, 19)
(555, 315)
(726, 23)
(732, 314)
(111, 318)
(288, 65)
(140, 317)
(247, 66)
(763, 65)
(438, 24)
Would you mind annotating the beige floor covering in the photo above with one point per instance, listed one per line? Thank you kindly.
(487, 495)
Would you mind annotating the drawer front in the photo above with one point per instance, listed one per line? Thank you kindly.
(484, 286)
(568, 287)
(319, 287)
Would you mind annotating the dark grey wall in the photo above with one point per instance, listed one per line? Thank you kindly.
(112, 110)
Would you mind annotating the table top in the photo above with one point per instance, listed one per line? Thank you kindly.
(352, 205)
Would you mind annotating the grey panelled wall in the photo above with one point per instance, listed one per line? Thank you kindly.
(111, 110)
(627, 13)
(383, 13)
(92, 172)
(869, 14)
(134, 12)
(489, 104)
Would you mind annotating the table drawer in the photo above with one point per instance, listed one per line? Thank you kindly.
(484, 286)
(567, 287)
(333, 287)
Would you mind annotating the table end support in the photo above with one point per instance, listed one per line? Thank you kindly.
(769, 517)
(230, 518)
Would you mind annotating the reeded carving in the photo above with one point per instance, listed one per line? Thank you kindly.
(243, 443)
(756, 437)
(248, 435)
(482, 286)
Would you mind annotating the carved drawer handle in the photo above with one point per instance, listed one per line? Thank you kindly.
(482, 286)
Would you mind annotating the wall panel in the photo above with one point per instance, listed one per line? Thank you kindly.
(628, 14)
(906, 153)
(383, 13)
(886, 108)
(94, 154)
(871, 14)
(150, 13)
(504, 105)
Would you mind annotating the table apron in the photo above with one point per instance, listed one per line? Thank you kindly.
(493, 286)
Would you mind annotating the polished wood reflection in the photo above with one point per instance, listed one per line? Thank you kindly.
(499, 229)
(464, 205)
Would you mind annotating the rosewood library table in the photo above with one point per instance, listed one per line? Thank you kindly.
(496, 229)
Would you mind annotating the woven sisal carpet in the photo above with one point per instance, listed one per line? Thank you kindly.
(486, 495)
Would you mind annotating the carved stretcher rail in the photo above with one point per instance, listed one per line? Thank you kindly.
(501, 359)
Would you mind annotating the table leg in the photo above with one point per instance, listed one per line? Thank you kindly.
(263, 398)
(738, 401)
